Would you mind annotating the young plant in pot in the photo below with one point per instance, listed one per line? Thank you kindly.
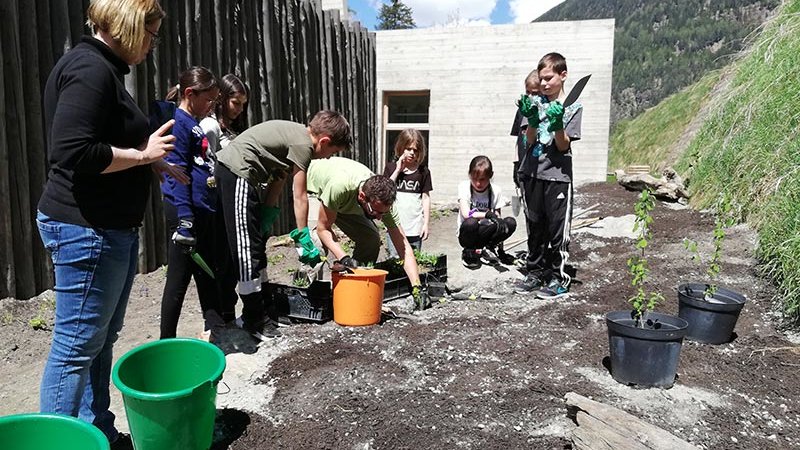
(644, 345)
(711, 311)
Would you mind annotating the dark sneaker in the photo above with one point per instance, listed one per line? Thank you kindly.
(531, 284)
(553, 291)
(488, 256)
(264, 332)
(123, 442)
(471, 259)
(505, 258)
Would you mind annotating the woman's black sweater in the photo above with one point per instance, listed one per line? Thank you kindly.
(87, 110)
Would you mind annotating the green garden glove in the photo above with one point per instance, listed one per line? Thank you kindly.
(529, 110)
(269, 214)
(309, 252)
(422, 300)
(555, 114)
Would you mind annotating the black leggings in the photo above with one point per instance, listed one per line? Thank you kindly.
(181, 268)
(479, 233)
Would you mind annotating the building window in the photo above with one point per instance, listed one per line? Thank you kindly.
(401, 110)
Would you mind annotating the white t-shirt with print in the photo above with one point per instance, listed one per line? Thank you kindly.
(479, 200)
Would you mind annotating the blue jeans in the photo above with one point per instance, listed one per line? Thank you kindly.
(94, 270)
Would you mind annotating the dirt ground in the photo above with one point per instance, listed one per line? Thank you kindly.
(488, 369)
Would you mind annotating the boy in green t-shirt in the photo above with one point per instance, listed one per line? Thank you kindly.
(250, 175)
(352, 197)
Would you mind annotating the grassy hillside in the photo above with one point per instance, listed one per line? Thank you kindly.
(749, 150)
(649, 138)
(660, 47)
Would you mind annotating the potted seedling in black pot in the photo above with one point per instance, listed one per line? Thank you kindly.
(644, 345)
(711, 311)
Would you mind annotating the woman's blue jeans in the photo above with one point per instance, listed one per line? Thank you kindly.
(94, 271)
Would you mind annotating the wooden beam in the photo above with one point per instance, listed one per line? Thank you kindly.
(602, 426)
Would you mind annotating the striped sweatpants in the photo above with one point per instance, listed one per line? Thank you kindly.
(549, 217)
(239, 204)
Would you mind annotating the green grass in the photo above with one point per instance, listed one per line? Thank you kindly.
(749, 149)
(649, 137)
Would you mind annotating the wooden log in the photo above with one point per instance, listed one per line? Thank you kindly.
(16, 138)
(605, 425)
(7, 283)
(661, 188)
(592, 434)
(34, 140)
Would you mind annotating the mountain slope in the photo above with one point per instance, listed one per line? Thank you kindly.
(746, 151)
(661, 47)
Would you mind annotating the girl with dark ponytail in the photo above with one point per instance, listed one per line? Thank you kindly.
(190, 209)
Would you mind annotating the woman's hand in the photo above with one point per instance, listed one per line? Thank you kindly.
(161, 168)
(158, 145)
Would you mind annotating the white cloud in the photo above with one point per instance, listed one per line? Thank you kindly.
(443, 12)
(524, 11)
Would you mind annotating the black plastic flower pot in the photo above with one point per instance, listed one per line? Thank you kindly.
(711, 319)
(645, 357)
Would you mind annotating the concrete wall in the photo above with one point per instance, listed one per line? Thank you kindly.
(341, 5)
(475, 74)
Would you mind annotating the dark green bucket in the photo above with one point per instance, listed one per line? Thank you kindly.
(49, 431)
(170, 388)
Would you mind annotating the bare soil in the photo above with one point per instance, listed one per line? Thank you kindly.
(485, 369)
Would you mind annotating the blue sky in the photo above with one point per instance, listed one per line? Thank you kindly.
(464, 12)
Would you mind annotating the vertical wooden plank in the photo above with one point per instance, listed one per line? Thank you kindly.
(62, 39)
(77, 19)
(20, 204)
(7, 282)
(34, 138)
(373, 95)
(267, 74)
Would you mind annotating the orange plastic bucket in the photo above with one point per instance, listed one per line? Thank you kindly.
(357, 297)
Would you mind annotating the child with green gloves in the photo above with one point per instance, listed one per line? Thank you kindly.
(547, 189)
(250, 176)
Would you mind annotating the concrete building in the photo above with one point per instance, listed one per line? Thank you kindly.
(341, 5)
(459, 85)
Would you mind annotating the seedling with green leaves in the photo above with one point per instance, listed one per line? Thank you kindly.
(723, 219)
(301, 281)
(643, 301)
(426, 259)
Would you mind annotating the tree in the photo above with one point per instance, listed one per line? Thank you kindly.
(396, 16)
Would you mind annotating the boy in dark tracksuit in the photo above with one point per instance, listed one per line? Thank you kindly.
(552, 128)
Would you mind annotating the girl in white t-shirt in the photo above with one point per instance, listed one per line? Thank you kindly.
(413, 180)
(481, 230)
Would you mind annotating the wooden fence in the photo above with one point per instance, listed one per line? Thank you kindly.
(295, 57)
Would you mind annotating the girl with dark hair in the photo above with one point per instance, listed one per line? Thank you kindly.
(481, 230)
(230, 115)
(189, 209)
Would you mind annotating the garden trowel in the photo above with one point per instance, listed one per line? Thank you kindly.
(200, 262)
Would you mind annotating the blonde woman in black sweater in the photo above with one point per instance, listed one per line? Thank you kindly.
(101, 162)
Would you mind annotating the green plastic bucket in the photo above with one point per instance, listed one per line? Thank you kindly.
(49, 431)
(170, 388)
